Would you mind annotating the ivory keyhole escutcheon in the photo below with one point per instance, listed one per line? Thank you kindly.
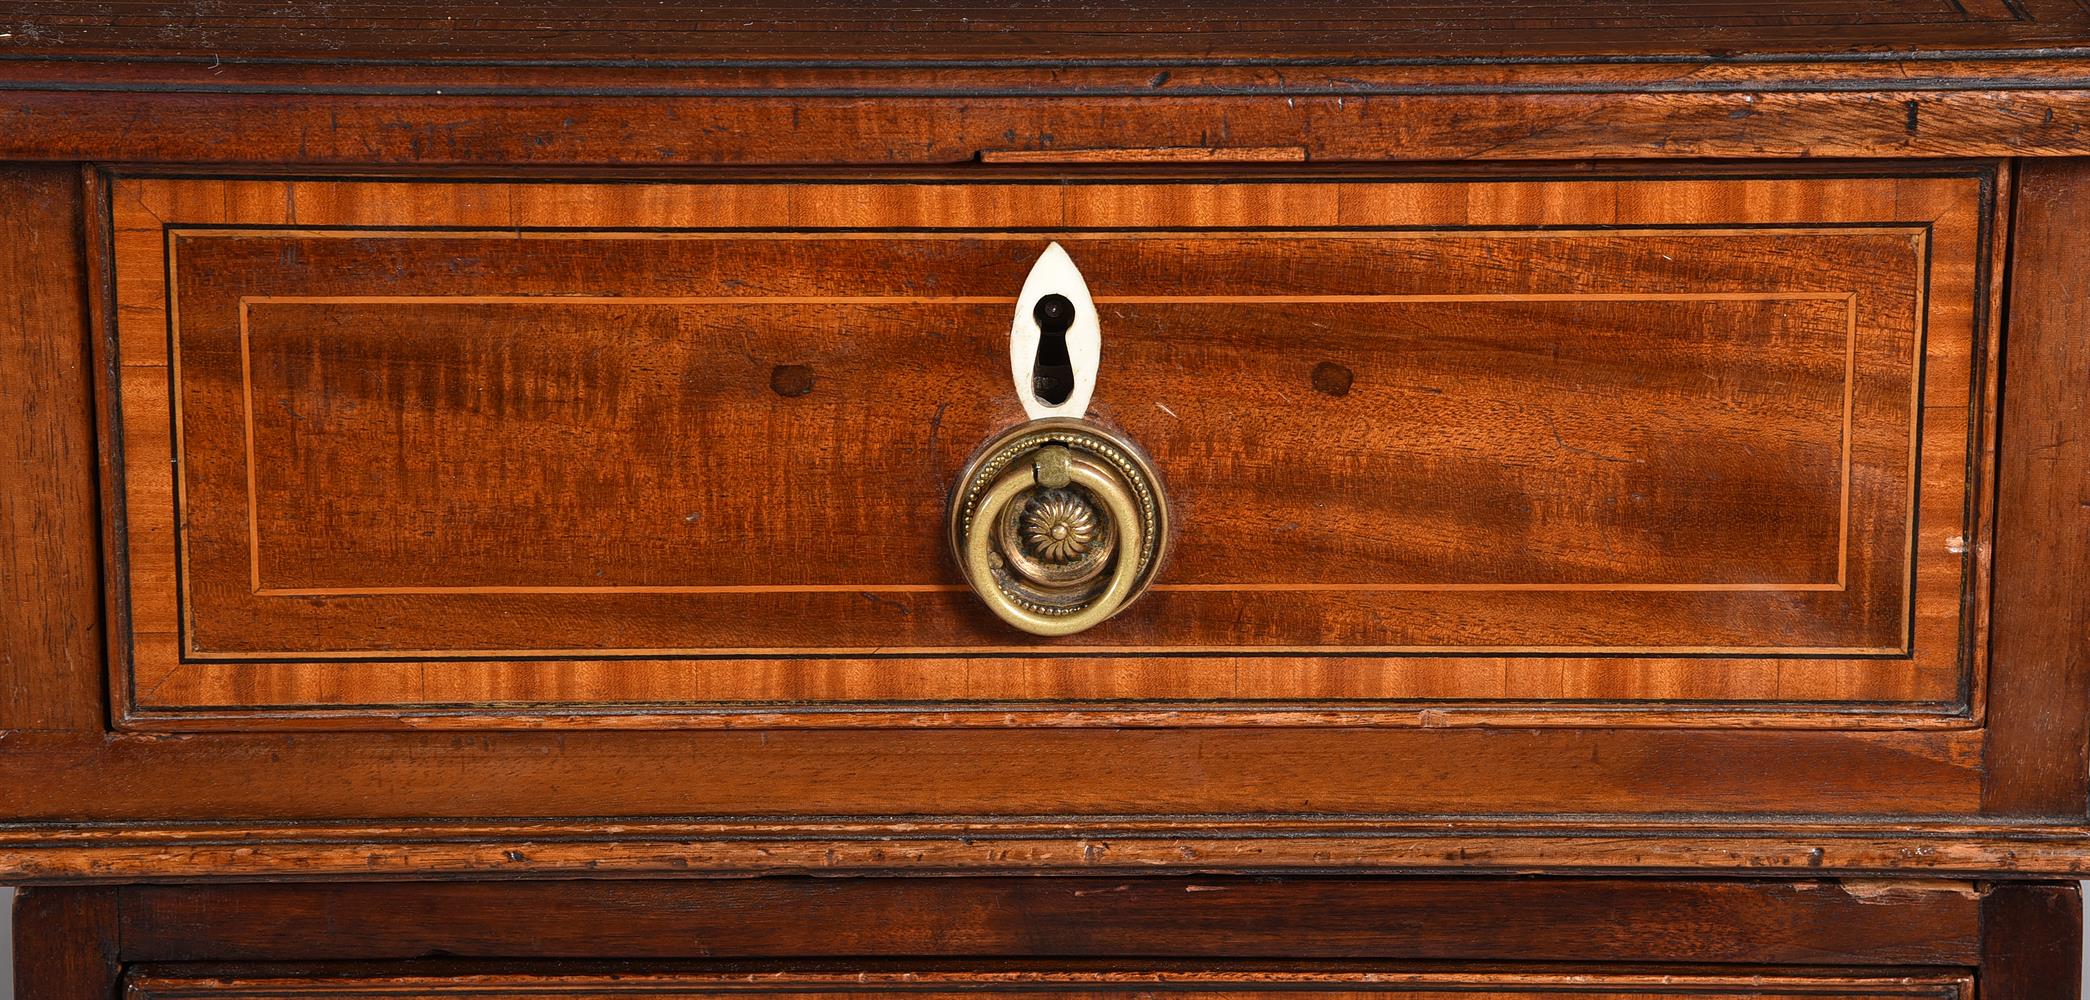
(1055, 341)
(1058, 524)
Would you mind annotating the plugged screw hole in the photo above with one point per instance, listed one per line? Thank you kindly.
(791, 381)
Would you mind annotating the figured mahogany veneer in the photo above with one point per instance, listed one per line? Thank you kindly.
(1709, 441)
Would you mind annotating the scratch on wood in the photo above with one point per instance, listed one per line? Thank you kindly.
(1886, 890)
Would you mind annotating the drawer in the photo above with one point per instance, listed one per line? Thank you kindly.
(1479, 985)
(654, 454)
(1139, 937)
(1515, 520)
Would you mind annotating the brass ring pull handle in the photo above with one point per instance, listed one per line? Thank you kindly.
(981, 557)
(1058, 525)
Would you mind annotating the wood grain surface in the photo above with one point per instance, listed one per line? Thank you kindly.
(2040, 714)
(1212, 935)
(1740, 922)
(1446, 985)
(823, 82)
(1671, 419)
(65, 945)
(50, 616)
(833, 30)
(2032, 942)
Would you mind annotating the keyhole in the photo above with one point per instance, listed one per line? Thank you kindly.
(1052, 371)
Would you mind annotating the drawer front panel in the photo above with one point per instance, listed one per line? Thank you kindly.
(1585, 984)
(677, 451)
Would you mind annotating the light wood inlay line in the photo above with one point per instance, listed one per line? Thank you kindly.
(1908, 611)
(941, 588)
(881, 300)
(246, 386)
(721, 653)
(1042, 235)
(1850, 393)
(171, 246)
(1843, 532)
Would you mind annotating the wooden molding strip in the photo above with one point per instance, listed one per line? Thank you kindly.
(2045, 118)
(117, 853)
(172, 984)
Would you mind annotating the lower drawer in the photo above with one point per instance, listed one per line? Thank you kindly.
(1210, 938)
(1078, 985)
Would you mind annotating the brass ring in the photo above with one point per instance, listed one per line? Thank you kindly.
(1124, 576)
